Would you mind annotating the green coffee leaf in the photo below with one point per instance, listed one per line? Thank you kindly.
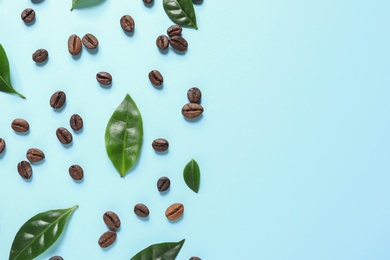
(123, 136)
(39, 233)
(162, 251)
(5, 81)
(181, 12)
(85, 3)
(191, 175)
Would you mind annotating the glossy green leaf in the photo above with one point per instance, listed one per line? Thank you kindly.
(5, 81)
(162, 251)
(123, 136)
(39, 233)
(85, 3)
(191, 175)
(181, 12)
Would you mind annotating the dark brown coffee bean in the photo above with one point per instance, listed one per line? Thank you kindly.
(195, 258)
(107, 239)
(76, 172)
(90, 41)
(57, 100)
(174, 211)
(40, 55)
(57, 257)
(141, 210)
(104, 78)
(192, 110)
(64, 136)
(162, 42)
(74, 44)
(28, 15)
(160, 145)
(174, 30)
(194, 95)
(163, 184)
(24, 169)
(178, 43)
(76, 122)
(156, 78)
(20, 125)
(35, 155)
(2, 145)
(112, 220)
(148, 1)
(127, 23)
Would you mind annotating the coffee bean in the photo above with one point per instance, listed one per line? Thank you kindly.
(148, 1)
(57, 100)
(194, 95)
(156, 78)
(163, 184)
(25, 170)
(35, 155)
(174, 211)
(112, 220)
(20, 125)
(28, 15)
(192, 110)
(162, 42)
(104, 78)
(141, 210)
(174, 30)
(56, 258)
(90, 41)
(2, 145)
(107, 239)
(64, 136)
(160, 145)
(76, 172)
(74, 44)
(178, 43)
(40, 55)
(127, 23)
(195, 258)
(76, 122)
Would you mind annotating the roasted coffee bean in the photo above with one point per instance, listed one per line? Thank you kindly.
(28, 15)
(74, 44)
(112, 220)
(194, 95)
(163, 184)
(174, 211)
(174, 30)
(104, 78)
(57, 100)
(162, 42)
(195, 258)
(57, 257)
(35, 155)
(127, 23)
(64, 136)
(40, 55)
(141, 210)
(25, 170)
(76, 122)
(148, 1)
(76, 172)
(156, 78)
(2, 145)
(20, 125)
(192, 110)
(90, 41)
(160, 145)
(178, 43)
(107, 239)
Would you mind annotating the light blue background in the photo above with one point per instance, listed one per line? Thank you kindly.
(293, 145)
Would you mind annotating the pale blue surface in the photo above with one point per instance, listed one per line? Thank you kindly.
(293, 145)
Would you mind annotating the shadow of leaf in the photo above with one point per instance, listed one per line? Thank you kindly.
(79, 4)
